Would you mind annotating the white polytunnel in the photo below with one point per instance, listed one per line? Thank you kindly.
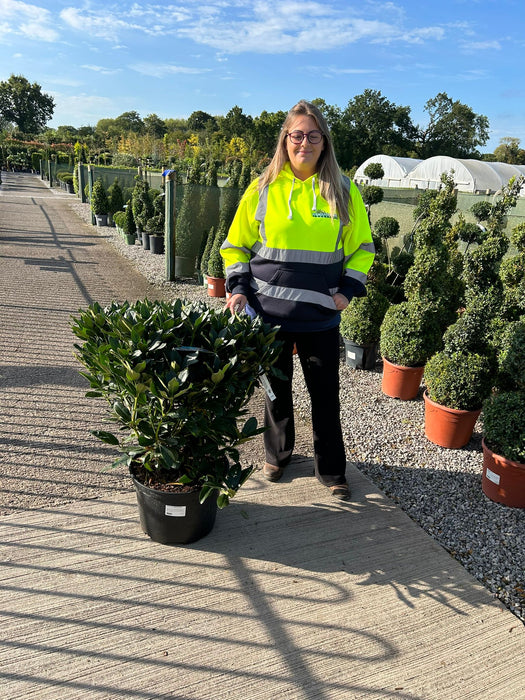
(470, 175)
(395, 169)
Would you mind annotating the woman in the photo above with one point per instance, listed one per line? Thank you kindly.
(298, 250)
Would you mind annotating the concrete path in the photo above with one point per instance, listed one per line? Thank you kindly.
(290, 596)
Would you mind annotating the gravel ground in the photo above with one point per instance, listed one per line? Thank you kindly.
(439, 489)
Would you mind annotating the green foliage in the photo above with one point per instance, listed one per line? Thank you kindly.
(119, 217)
(475, 335)
(504, 424)
(116, 197)
(517, 237)
(386, 227)
(215, 261)
(409, 334)
(481, 210)
(459, 380)
(24, 104)
(130, 227)
(155, 224)
(205, 258)
(424, 202)
(374, 171)
(141, 203)
(362, 318)
(99, 198)
(372, 194)
(511, 357)
(177, 378)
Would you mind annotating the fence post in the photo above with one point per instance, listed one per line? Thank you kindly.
(82, 182)
(90, 183)
(169, 222)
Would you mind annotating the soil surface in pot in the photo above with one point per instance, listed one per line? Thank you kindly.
(160, 482)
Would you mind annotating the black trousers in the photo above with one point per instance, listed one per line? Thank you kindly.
(319, 356)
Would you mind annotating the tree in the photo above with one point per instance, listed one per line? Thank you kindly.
(130, 121)
(25, 105)
(199, 120)
(509, 151)
(154, 126)
(235, 123)
(454, 129)
(266, 128)
(370, 125)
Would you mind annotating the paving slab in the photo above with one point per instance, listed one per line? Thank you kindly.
(291, 595)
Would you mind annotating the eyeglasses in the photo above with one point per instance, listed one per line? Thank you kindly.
(313, 137)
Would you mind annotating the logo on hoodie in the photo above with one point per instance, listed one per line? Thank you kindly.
(321, 214)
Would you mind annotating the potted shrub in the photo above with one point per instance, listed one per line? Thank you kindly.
(461, 377)
(129, 225)
(154, 226)
(409, 335)
(100, 203)
(503, 478)
(119, 218)
(216, 275)
(177, 378)
(141, 204)
(188, 231)
(432, 297)
(360, 328)
(230, 199)
(456, 386)
(116, 200)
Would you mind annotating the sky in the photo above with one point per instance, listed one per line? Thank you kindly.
(98, 58)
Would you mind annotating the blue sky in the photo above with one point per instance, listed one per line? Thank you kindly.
(99, 59)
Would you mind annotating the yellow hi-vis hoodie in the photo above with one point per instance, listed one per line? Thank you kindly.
(287, 254)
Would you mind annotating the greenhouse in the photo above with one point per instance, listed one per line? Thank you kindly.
(475, 176)
(395, 169)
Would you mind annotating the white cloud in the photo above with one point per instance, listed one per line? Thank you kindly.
(101, 69)
(161, 70)
(30, 21)
(79, 110)
(474, 46)
(256, 26)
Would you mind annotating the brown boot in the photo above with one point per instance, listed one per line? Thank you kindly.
(271, 472)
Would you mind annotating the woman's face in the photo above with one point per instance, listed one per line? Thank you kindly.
(305, 155)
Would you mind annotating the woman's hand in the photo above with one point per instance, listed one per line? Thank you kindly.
(236, 303)
(340, 301)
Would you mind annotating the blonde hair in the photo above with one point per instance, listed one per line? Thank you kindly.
(328, 171)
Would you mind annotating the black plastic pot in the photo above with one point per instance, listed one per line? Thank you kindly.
(156, 244)
(360, 356)
(145, 240)
(174, 518)
(184, 266)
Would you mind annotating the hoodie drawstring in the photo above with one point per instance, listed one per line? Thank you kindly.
(290, 200)
(314, 207)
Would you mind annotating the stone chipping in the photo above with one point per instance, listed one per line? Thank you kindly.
(440, 489)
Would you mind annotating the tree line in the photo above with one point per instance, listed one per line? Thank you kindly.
(368, 125)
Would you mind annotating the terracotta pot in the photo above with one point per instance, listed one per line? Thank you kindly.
(503, 480)
(448, 427)
(401, 382)
(216, 286)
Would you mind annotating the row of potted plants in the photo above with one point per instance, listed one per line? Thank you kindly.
(456, 329)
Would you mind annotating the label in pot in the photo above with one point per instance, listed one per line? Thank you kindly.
(175, 511)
